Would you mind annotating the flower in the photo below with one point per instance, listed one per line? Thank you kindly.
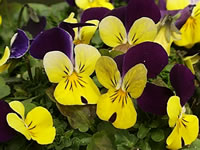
(176, 4)
(186, 127)
(127, 26)
(83, 34)
(191, 60)
(37, 125)
(0, 20)
(7, 133)
(154, 98)
(116, 105)
(75, 87)
(85, 4)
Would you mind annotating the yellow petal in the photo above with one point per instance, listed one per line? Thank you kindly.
(112, 31)
(57, 66)
(176, 4)
(40, 125)
(4, 67)
(117, 107)
(107, 72)
(143, 29)
(71, 19)
(190, 61)
(18, 107)
(76, 90)
(18, 124)
(173, 110)
(106, 4)
(135, 80)
(83, 4)
(189, 128)
(5, 57)
(86, 57)
(174, 139)
(0, 20)
(87, 32)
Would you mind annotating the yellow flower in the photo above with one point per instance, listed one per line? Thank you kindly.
(85, 4)
(190, 61)
(186, 127)
(38, 124)
(75, 87)
(176, 4)
(84, 34)
(191, 28)
(0, 20)
(4, 59)
(113, 33)
(116, 105)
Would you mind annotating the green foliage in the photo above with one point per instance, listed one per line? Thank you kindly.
(4, 88)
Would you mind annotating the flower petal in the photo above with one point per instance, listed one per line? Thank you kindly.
(97, 13)
(190, 128)
(18, 124)
(174, 110)
(177, 4)
(5, 56)
(87, 32)
(112, 31)
(19, 44)
(135, 80)
(174, 139)
(86, 57)
(152, 55)
(40, 124)
(148, 8)
(154, 99)
(52, 40)
(57, 66)
(67, 27)
(143, 29)
(7, 133)
(107, 72)
(76, 90)
(120, 112)
(182, 80)
(18, 107)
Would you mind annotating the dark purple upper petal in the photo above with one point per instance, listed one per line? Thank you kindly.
(6, 132)
(71, 2)
(35, 27)
(152, 55)
(154, 99)
(182, 80)
(51, 40)
(66, 26)
(119, 13)
(141, 8)
(97, 13)
(162, 5)
(119, 60)
(20, 44)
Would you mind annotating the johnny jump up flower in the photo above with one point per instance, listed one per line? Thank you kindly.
(37, 125)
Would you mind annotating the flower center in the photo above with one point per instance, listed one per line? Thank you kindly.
(123, 47)
(120, 96)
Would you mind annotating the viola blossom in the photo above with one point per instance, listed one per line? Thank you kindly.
(0, 20)
(85, 4)
(190, 61)
(126, 80)
(37, 125)
(7, 133)
(75, 87)
(128, 26)
(182, 80)
(18, 47)
(186, 127)
(83, 34)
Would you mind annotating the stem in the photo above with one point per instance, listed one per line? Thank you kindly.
(29, 68)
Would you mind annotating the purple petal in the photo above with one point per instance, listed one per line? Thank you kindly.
(7, 133)
(71, 2)
(152, 55)
(162, 5)
(154, 99)
(119, 13)
(51, 40)
(141, 8)
(34, 28)
(119, 60)
(168, 12)
(20, 44)
(182, 80)
(66, 26)
(94, 13)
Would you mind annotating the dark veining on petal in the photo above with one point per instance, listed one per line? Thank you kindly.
(83, 100)
(30, 124)
(32, 128)
(113, 117)
(182, 142)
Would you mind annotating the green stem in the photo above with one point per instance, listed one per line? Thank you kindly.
(29, 68)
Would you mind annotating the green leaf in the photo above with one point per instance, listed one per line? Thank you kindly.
(4, 89)
(158, 135)
(143, 131)
(100, 141)
(194, 146)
